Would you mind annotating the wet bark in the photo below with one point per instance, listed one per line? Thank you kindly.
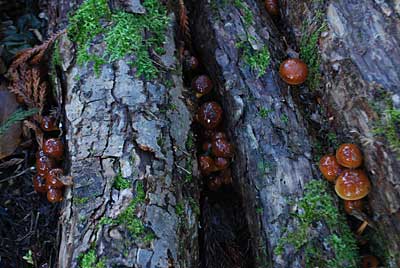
(273, 160)
(117, 124)
(361, 74)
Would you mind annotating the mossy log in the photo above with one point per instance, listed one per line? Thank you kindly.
(360, 88)
(132, 203)
(273, 161)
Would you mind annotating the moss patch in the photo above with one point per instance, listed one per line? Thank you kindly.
(89, 260)
(121, 183)
(389, 127)
(123, 34)
(315, 206)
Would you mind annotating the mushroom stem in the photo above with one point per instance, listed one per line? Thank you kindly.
(362, 227)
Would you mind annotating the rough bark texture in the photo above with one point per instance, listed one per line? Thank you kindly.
(278, 141)
(116, 124)
(360, 64)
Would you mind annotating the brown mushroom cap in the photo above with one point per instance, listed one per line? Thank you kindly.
(54, 195)
(52, 178)
(53, 147)
(272, 7)
(222, 148)
(209, 115)
(329, 167)
(349, 155)
(191, 63)
(39, 184)
(352, 205)
(206, 164)
(293, 71)
(221, 163)
(214, 183)
(218, 135)
(369, 261)
(48, 123)
(43, 163)
(352, 184)
(202, 84)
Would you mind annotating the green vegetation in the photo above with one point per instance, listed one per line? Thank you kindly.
(189, 168)
(195, 206)
(80, 200)
(247, 14)
(122, 32)
(263, 112)
(318, 205)
(284, 119)
(128, 218)
(89, 260)
(309, 52)
(258, 60)
(180, 209)
(189, 142)
(389, 127)
(15, 117)
(28, 257)
(121, 183)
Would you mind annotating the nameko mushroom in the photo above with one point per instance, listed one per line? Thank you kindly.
(329, 167)
(53, 147)
(202, 85)
(209, 115)
(349, 155)
(352, 184)
(293, 71)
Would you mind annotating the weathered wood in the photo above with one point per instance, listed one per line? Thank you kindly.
(119, 125)
(273, 160)
(361, 69)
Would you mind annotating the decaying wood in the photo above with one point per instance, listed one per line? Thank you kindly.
(361, 63)
(116, 124)
(283, 145)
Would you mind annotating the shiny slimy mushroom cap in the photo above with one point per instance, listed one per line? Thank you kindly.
(353, 205)
(53, 147)
(329, 167)
(222, 148)
(293, 71)
(54, 195)
(209, 115)
(202, 84)
(352, 184)
(349, 155)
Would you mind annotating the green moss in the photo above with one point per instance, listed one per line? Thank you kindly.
(258, 60)
(89, 260)
(80, 200)
(189, 167)
(389, 127)
(180, 209)
(263, 112)
(195, 206)
(247, 14)
(121, 183)
(122, 32)
(317, 205)
(284, 119)
(189, 142)
(309, 52)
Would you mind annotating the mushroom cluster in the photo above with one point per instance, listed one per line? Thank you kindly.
(47, 180)
(217, 151)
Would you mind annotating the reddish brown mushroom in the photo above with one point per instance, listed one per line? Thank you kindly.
(49, 123)
(222, 148)
(218, 135)
(293, 71)
(369, 261)
(349, 155)
(214, 183)
(190, 63)
(353, 205)
(207, 165)
(202, 84)
(226, 176)
(272, 7)
(209, 115)
(54, 195)
(43, 163)
(52, 178)
(39, 184)
(352, 184)
(53, 147)
(221, 163)
(329, 167)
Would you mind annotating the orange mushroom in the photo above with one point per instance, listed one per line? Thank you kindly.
(349, 155)
(222, 148)
(352, 184)
(202, 85)
(43, 163)
(293, 71)
(207, 165)
(53, 147)
(352, 205)
(221, 163)
(209, 115)
(329, 167)
(39, 184)
(272, 7)
(49, 123)
(54, 195)
(52, 178)
(369, 261)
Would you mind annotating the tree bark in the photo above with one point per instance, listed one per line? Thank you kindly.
(278, 140)
(361, 69)
(119, 125)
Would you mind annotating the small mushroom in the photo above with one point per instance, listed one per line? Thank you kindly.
(54, 195)
(352, 184)
(218, 135)
(214, 183)
(221, 163)
(222, 148)
(190, 63)
(207, 165)
(43, 163)
(329, 167)
(39, 184)
(349, 155)
(53, 147)
(272, 7)
(202, 85)
(293, 71)
(49, 123)
(352, 205)
(369, 261)
(52, 178)
(209, 115)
